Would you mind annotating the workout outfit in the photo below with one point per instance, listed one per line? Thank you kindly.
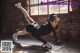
(45, 29)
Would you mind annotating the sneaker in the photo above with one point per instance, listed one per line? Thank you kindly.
(15, 37)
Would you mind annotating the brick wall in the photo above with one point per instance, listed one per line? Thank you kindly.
(11, 18)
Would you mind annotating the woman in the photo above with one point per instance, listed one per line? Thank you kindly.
(39, 31)
(45, 29)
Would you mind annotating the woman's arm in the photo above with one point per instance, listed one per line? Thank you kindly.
(57, 38)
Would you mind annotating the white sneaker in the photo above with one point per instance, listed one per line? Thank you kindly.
(15, 36)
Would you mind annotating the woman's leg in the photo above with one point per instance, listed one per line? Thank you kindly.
(22, 32)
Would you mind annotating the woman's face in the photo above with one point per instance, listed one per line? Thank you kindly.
(54, 23)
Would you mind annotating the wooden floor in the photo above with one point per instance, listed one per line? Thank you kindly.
(68, 47)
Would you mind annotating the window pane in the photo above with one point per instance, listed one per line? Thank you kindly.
(31, 2)
(43, 10)
(35, 1)
(65, 0)
(34, 10)
(63, 8)
(70, 8)
(51, 0)
(42, 1)
(54, 9)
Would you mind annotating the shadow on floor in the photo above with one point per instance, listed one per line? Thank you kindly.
(29, 49)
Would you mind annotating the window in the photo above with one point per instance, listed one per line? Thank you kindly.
(35, 8)
(43, 10)
(63, 8)
(33, 2)
(53, 9)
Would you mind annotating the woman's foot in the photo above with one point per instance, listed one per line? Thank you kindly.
(47, 47)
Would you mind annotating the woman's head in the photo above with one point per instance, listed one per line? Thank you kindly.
(53, 20)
